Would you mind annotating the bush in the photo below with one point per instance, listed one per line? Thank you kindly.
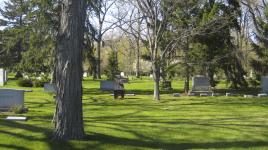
(24, 82)
(17, 109)
(38, 83)
(253, 83)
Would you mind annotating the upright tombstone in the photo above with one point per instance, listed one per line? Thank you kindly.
(50, 88)
(11, 98)
(6, 76)
(122, 74)
(107, 85)
(2, 77)
(264, 84)
(200, 85)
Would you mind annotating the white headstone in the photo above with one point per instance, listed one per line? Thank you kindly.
(122, 74)
(248, 96)
(151, 75)
(264, 84)
(85, 74)
(2, 77)
(11, 98)
(15, 118)
(262, 95)
(6, 76)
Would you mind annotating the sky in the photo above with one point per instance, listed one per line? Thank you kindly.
(2, 3)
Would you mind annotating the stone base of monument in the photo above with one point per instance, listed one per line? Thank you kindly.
(198, 93)
(15, 118)
(262, 95)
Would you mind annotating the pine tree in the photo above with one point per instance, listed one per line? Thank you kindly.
(112, 68)
(260, 44)
(14, 37)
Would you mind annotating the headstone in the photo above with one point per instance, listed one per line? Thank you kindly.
(122, 74)
(176, 95)
(248, 96)
(215, 94)
(200, 85)
(203, 94)
(2, 77)
(11, 98)
(107, 85)
(6, 76)
(151, 75)
(85, 74)
(15, 118)
(262, 95)
(230, 94)
(264, 84)
(51, 88)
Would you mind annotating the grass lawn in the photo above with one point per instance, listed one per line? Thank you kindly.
(138, 122)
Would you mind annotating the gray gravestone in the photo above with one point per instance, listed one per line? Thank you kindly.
(107, 85)
(264, 84)
(2, 77)
(51, 88)
(11, 98)
(200, 83)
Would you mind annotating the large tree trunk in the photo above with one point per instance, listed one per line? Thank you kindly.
(138, 59)
(156, 74)
(69, 115)
(98, 63)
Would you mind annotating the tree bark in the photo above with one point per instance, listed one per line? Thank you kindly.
(98, 64)
(69, 115)
(156, 74)
(138, 59)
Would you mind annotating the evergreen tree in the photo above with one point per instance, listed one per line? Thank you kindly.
(112, 68)
(260, 44)
(14, 37)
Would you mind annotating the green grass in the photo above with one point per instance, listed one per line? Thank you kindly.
(141, 123)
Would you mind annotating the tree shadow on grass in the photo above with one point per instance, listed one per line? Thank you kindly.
(107, 139)
(9, 146)
(30, 138)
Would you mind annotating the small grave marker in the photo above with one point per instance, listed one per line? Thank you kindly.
(15, 118)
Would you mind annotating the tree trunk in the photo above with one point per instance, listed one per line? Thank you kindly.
(138, 59)
(156, 74)
(98, 64)
(69, 115)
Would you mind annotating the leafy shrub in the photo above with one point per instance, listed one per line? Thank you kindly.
(38, 83)
(17, 109)
(24, 82)
(253, 83)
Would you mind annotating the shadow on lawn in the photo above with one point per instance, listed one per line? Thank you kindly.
(107, 139)
(96, 91)
(141, 142)
(35, 129)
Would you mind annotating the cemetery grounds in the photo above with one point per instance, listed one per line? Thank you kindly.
(138, 122)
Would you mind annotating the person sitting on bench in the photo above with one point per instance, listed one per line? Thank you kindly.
(119, 89)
